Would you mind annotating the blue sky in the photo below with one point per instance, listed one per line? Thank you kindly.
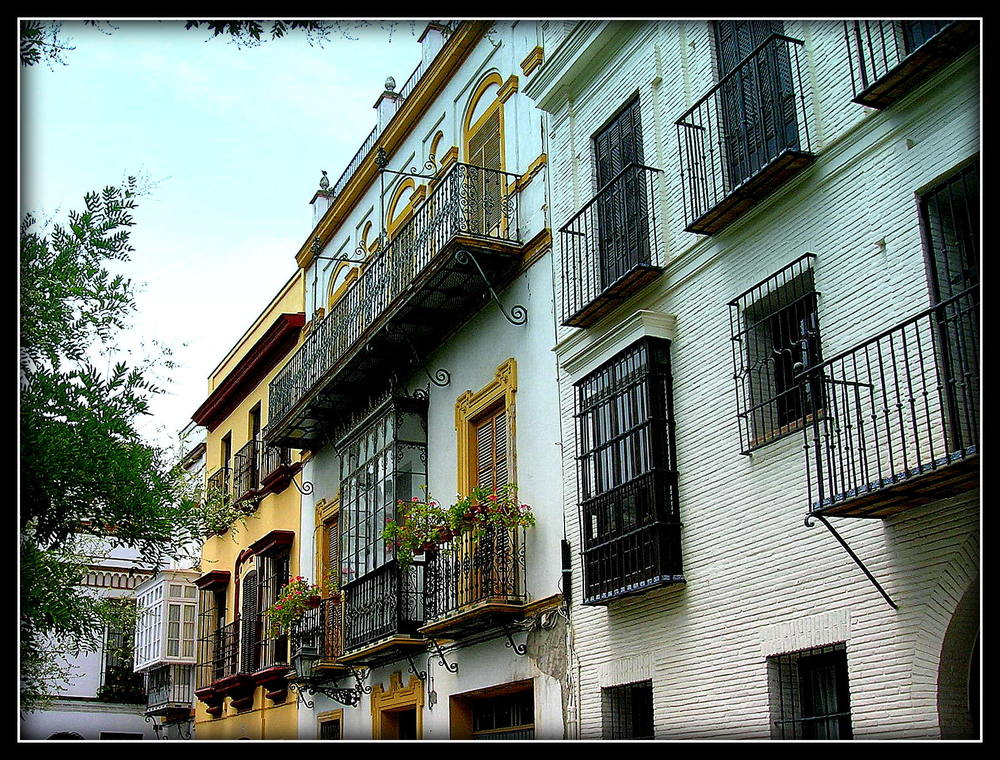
(232, 140)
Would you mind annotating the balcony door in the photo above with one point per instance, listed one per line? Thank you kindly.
(757, 102)
(950, 217)
(483, 185)
(622, 210)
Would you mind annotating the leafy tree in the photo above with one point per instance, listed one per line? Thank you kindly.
(44, 40)
(85, 468)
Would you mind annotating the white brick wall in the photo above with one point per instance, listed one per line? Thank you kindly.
(756, 577)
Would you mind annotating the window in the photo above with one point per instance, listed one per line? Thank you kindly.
(213, 655)
(627, 711)
(274, 572)
(775, 335)
(627, 474)
(506, 717)
(330, 729)
(949, 214)
(809, 694)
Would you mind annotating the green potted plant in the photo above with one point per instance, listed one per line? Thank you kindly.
(296, 597)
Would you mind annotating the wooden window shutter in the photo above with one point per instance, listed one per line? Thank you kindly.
(492, 462)
(248, 625)
(485, 150)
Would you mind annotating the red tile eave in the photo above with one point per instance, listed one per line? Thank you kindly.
(279, 339)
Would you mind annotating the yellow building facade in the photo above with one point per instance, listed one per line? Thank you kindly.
(240, 677)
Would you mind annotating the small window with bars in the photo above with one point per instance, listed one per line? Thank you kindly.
(627, 711)
(809, 694)
(775, 336)
(627, 474)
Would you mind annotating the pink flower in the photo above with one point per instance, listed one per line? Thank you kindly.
(415, 498)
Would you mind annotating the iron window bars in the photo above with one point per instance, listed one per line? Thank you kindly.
(627, 711)
(505, 717)
(809, 694)
(169, 686)
(217, 652)
(889, 58)
(627, 474)
(747, 135)
(774, 329)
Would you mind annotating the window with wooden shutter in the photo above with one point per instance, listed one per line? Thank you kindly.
(249, 623)
(491, 465)
(484, 188)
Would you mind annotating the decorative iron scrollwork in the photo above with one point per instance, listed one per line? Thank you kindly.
(518, 313)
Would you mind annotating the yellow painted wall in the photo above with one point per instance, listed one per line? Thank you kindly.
(278, 511)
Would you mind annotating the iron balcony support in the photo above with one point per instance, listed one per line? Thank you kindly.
(518, 313)
(450, 667)
(857, 560)
(347, 697)
(441, 376)
(519, 649)
(421, 674)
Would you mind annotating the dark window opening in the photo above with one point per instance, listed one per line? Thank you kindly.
(627, 711)
(809, 693)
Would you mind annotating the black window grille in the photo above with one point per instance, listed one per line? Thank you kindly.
(504, 717)
(627, 474)
(330, 729)
(272, 646)
(215, 660)
(775, 335)
(627, 711)
(810, 694)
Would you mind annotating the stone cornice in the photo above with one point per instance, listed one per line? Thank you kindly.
(582, 351)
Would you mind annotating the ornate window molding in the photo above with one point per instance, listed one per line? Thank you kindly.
(470, 405)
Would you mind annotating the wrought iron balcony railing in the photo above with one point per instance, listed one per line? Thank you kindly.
(170, 687)
(220, 480)
(246, 471)
(745, 137)
(470, 205)
(382, 604)
(609, 248)
(889, 58)
(472, 572)
(320, 630)
(900, 418)
(218, 655)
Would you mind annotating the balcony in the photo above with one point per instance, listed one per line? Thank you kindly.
(433, 275)
(170, 690)
(473, 584)
(609, 249)
(320, 634)
(270, 663)
(383, 611)
(217, 671)
(889, 59)
(900, 421)
(745, 138)
(259, 469)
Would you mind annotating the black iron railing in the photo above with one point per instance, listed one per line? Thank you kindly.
(273, 459)
(900, 405)
(748, 126)
(246, 471)
(468, 201)
(888, 57)
(218, 654)
(637, 540)
(169, 686)
(609, 242)
(382, 604)
(320, 630)
(272, 651)
(472, 570)
(220, 480)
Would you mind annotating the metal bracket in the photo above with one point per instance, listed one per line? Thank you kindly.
(421, 674)
(347, 697)
(360, 676)
(157, 726)
(441, 377)
(305, 489)
(857, 560)
(518, 313)
(519, 649)
(452, 667)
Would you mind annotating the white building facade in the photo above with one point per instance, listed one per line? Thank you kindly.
(428, 365)
(787, 210)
